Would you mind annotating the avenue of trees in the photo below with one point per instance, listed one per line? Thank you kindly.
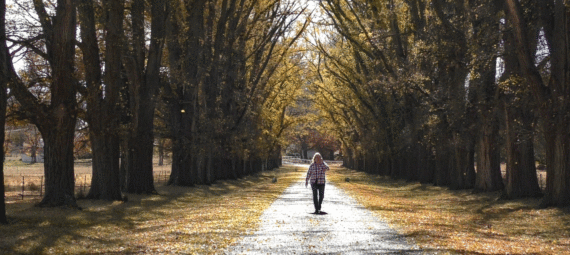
(219, 74)
(441, 91)
(438, 91)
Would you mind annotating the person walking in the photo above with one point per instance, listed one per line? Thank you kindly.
(316, 175)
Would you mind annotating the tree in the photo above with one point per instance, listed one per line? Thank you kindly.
(484, 95)
(225, 57)
(403, 95)
(33, 138)
(102, 95)
(3, 86)
(143, 73)
(519, 111)
(552, 97)
(55, 119)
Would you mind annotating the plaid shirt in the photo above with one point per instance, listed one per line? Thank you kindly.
(316, 173)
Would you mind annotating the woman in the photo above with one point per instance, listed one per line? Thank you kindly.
(316, 175)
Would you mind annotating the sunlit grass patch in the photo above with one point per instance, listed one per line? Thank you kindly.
(459, 221)
(196, 220)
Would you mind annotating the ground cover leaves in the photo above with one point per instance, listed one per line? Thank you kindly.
(442, 220)
(196, 220)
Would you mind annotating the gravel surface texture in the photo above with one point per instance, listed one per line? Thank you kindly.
(290, 227)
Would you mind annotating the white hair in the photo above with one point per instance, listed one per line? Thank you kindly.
(314, 156)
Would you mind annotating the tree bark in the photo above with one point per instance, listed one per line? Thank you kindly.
(489, 176)
(464, 177)
(144, 88)
(484, 95)
(58, 163)
(57, 124)
(443, 165)
(3, 86)
(521, 170)
(519, 118)
(183, 111)
(554, 98)
(161, 152)
(102, 104)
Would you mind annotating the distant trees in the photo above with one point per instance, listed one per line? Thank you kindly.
(232, 74)
(427, 90)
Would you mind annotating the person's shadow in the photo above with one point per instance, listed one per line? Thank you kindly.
(320, 213)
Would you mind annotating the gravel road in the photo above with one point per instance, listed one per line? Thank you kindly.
(289, 227)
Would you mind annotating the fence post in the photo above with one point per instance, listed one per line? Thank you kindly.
(23, 186)
(42, 186)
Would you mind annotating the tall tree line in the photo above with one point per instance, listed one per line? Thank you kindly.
(230, 62)
(225, 69)
(435, 90)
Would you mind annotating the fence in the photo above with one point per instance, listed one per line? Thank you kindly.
(20, 187)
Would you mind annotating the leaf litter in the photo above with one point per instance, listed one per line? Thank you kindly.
(458, 221)
(194, 220)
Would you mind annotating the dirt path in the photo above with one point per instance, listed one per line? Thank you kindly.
(290, 227)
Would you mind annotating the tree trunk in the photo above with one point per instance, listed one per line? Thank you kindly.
(160, 152)
(56, 122)
(140, 177)
(557, 165)
(124, 162)
(181, 112)
(426, 166)
(144, 87)
(103, 117)
(58, 127)
(443, 164)
(33, 156)
(58, 164)
(464, 174)
(3, 87)
(106, 183)
(489, 176)
(554, 98)
(521, 170)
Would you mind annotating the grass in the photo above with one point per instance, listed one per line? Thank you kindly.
(195, 220)
(448, 221)
(30, 176)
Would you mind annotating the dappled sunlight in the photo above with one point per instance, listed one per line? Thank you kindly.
(460, 221)
(201, 219)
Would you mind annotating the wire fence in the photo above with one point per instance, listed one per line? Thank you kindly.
(20, 187)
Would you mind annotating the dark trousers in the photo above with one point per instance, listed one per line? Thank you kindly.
(318, 198)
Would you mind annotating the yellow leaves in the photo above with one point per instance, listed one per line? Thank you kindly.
(198, 220)
(437, 218)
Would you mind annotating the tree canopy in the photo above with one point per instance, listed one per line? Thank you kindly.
(435, 91)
